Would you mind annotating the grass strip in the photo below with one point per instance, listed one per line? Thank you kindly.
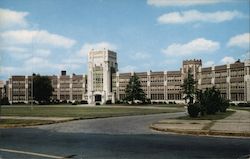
(80, 112)
(217, 116)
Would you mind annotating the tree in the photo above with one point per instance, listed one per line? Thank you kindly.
(134, 91)
(189, 87)
(211, 101)
(42, 88)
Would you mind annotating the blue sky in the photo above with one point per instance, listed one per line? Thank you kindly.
(46, 36)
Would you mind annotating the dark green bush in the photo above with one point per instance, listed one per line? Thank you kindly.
(194, 109)
(5, 101)
(232, 104)
(118, 102)
(108, 102)
(84, 102)
(224, 104)
(244, 104)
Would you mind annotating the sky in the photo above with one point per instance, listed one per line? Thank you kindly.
(47, 36)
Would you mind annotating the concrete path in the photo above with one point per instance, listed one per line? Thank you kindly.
(238, 124)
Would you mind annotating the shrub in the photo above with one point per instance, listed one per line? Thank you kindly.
(147, 101)
(244, 104)
(97, 104)
(17, 103)
(108, 102)
(224, 104)
(170, 102)
(194, 110)
(118, 102)
(63, 102)
(55, 101)
(84, 102)
(4, 101)
(232, 104)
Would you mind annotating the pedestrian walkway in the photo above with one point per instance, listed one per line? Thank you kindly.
(237, 124)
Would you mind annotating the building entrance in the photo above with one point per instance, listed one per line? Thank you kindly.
(98, 98)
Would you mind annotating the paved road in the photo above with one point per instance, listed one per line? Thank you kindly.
(116, 125)
(113, 138)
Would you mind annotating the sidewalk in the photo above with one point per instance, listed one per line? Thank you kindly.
(238, 124)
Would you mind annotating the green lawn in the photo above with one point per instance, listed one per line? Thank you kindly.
(217, 116)
(150, 105)
(168, 105)
(80, 112)
(19, 122)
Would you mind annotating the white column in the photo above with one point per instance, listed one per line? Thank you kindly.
(148, 85)
(26, 90)
(213, 76)
(228, 82)
(165, 86)
(117, 86)
(70, 88)
(10, 93)
(83, 87)
(247, 81)
(58, 87)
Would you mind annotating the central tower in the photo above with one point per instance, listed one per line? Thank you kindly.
(101, 65)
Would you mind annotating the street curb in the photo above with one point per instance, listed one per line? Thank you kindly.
(201, 132)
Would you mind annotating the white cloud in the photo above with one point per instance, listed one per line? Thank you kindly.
(13, 49)
(140, 56)
(20, 56)
(245, 55)
(242, 40)
(7, 71)
(37, 62)
(23, 53)
(128, 68)
(227, 60)
(197, 16)
(42, 52)
(10, 18)
(41, 64)
(199, 45)
(170, 61)
(35, 37)
(162, 3)
(96, 46)
(209, 63)
(73, 61)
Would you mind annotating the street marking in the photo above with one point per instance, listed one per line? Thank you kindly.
(31, 153)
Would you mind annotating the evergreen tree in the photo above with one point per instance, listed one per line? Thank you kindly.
(42, 88)
(134, 91)
(211, 101)
(189, 87)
